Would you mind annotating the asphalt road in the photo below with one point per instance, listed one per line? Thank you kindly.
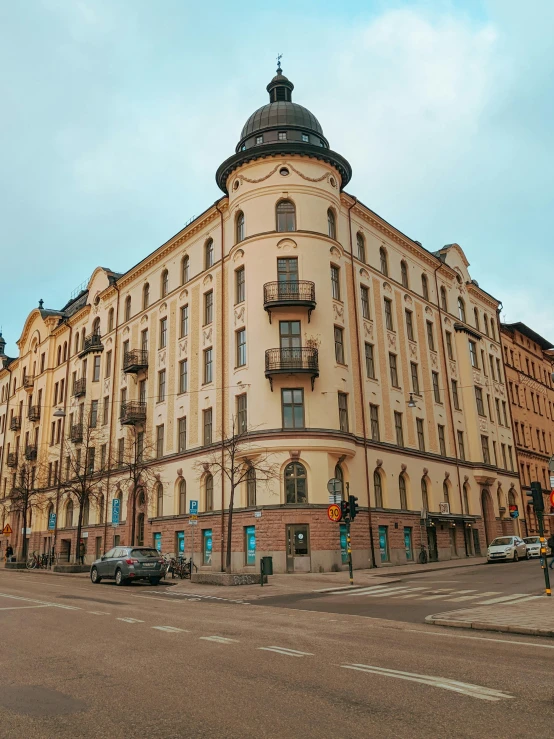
(100, 661)
(416, 596)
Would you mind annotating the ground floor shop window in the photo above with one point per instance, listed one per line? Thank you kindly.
(180, 543)
(384, 543)
(158, 541)
(207, 547)
(408, 543)
(250, 544)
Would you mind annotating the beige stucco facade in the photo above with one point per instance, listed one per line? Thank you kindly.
(445, 456)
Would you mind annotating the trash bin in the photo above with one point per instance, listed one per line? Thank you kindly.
(267, 565)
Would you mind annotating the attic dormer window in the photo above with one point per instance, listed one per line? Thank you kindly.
(259, 139)
(282, 135)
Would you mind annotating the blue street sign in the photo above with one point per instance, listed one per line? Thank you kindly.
(51, 521)
(193, 507)
(115, 511)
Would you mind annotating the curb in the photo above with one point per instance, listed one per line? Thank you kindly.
(418, 569)
(482, 626)
(43, 572)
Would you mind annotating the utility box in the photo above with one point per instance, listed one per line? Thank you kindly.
(267, 565)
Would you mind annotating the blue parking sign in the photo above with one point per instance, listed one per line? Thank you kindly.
(115, 511)
(51, 521)
(193, 507)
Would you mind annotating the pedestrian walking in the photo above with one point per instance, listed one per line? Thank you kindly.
(82, 551)
(9, 553)
(550, 543)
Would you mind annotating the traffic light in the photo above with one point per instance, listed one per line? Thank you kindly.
(344, 509)
(353, 506)
(536, 495)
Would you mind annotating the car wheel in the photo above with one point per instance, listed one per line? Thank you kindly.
(119, 579)
(154, 581)
(516, 556)
(94, 576)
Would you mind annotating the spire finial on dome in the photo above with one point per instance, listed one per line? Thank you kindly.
(279, 70)
(280, 88)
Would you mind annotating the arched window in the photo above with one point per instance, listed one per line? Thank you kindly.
(251, 487)
(476, 319)
(403, 494)
(425, 287)
(145, 296)
(444, 304)
(239, 227)
(360, 242)
(59, 359)
(209, 248)
(164, 283)
(404, 273)
(486, 323)
(182, 497)
(140, 530)
(466, 498)
(424, 495)
(378, 487)
(110, 319)
(83, 336)
(384, 264)
(185, 263)
(339, 475)
(331, 225)
(296, 486)
(96, 326)
(209, 485)
(86, 513)
(69, 514)
(159, 500)
(446, 493)
(100, 506)
(64, 351)
(77, 342)
(493, 332)
(141, 498)
(128, 308)
(286, 216)
(461, 310)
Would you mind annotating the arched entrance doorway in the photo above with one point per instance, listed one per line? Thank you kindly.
(489, 520)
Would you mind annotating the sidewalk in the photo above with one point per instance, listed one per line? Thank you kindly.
(534, 618)
(416, 568)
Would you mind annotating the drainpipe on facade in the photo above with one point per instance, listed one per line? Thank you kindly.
(447, 389)
(360, 380)
(222, 363)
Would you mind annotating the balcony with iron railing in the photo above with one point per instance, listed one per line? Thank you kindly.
(30, 453)
(12, 459)
(76, 433)
(291, 361)
(34, 413)
(15, 423)
(300, 293)
(28, 382)
(92, 344)
(79, 387)
(135, 360)
(132, 413)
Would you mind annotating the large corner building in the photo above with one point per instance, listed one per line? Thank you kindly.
(344, 347)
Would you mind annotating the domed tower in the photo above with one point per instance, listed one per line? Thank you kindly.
(282, 127)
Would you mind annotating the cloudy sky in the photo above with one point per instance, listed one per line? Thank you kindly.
(116, 113)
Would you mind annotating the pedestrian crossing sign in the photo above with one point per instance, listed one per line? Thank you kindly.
(7, 530)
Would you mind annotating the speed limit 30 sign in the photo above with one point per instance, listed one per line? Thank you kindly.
(334, 512)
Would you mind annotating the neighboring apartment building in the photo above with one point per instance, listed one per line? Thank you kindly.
(529, 363)
(346, 349)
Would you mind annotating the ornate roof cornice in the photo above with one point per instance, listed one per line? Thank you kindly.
(483, 296)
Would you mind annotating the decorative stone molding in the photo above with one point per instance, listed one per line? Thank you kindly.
(126, 331)
(207, 280)
(287, 244)
(163, 307)
(428, 310)
(413, 349)
(477, 377)
(368, 329)
(453, 369)
(207, 336)
(239, 315)
(483, 426)
(387, 287)
(107, 385)
(335, 252)
(180, 472)
(493, 348)
(499, 388)
(466, 478)
(364, 273)
(161, 358)
(447, 321)
(425, 472)
(183, 294)
(144, 319)
(403, 467)
(295, 454)
(109, 341)
(391, 338)
(434, 359)
(379, 463)
(446, 475)
(239, 254)
(157, 476)
(183, 345)
(408, 299)
(338, 311)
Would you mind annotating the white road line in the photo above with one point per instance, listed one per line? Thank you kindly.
(471, 597)
(99, 613)
(480, 638)
(39, 602)
(219, 639)
(20, 608)
(383, 591)
(131, 620)
(169, 629)
(338, 590)
(390, 594)
(360, 591)
(474, 691)
(443, 594)
(524, 600)
(285, 651)
(503, 599)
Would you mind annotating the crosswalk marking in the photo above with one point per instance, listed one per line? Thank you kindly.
(530, 597)
(502, 599)
(373, 592)
(471, 597)
(426, 593)
(131, 620)
(285, 651)
(219, 639)
(169, 629)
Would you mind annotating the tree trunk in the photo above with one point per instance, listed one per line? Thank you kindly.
(134, 516)
(24, 541)
(229, 530)
(79, 527)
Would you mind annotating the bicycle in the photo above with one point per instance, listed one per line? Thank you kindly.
(423, 558)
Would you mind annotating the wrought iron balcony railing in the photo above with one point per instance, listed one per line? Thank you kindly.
(15, 423)
(93, 343)
(79, 387)
(30, 453)
(292, 361)
(76, 433)
(287, 294)
(132, 413)
(12, 459)
(135, 360)
(34, 413)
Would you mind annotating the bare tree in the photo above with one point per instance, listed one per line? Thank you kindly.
(85, 466)
(25, 497)
(238, 460)
(138, 465)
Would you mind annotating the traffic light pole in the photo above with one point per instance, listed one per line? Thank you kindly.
(544, 558)
(349, 552)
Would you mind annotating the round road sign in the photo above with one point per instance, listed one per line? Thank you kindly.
(334, 512)
(334, 486)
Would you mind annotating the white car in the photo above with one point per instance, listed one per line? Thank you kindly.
(507, 547)
(533, 544)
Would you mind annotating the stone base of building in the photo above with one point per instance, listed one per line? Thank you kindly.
(71, 568)
(225, 578)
